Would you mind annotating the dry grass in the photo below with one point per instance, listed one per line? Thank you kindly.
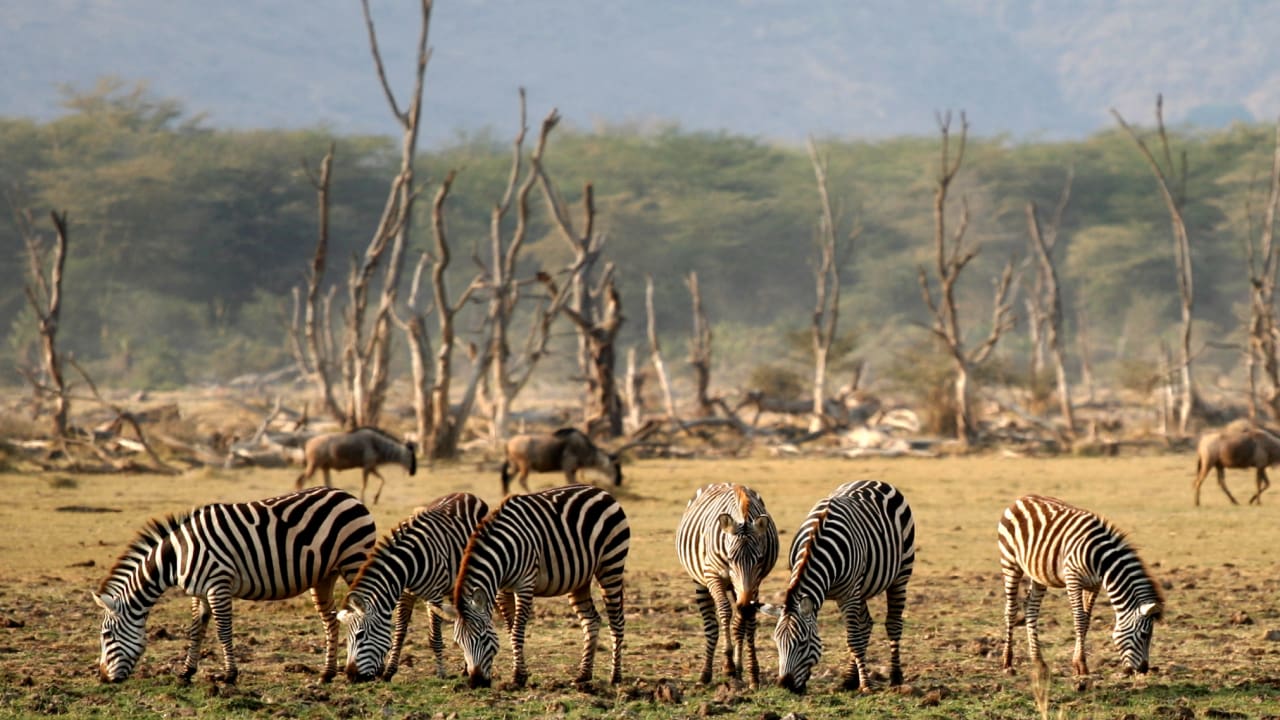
(1220, 564)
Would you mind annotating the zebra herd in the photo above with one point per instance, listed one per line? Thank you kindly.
(855, 544)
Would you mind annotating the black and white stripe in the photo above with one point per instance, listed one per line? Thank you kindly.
(418, 560)
(266, 550)
(1059, 545)
(855, 544)
(541, 545)
(728, 543)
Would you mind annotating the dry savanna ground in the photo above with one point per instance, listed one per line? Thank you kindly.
(1215, 655)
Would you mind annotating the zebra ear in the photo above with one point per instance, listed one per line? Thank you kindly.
(760, 524)
(446, 612)
(1151, 610)
(807, 606)
(105, 602)
(355, 604)
(770, 610)
(345, 615)
(727, 523)
(476, 599)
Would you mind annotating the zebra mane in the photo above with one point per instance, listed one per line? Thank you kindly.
(819, 520)
(481, 530)
(1127, 543)
(156, 531)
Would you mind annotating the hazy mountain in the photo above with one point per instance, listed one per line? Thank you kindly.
(773, 68)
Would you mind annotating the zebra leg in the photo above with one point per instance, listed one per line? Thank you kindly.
(897, 601)
(437, 641)
(615, 608)
(219, 599)
(1080, 616)
(589, 619)
(403, 615)
(520, 619)
(322, 597)
(722, 597)
(710, 630)
(507, 608)
(200, 614)
(744, 633)
(1012, 583)
(1034, 595)
(857, 627)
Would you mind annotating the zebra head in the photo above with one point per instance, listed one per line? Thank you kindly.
(745, 550)
(799, 645)
(473, 631)
(368, 640)
(1132, 634)
(123, 638)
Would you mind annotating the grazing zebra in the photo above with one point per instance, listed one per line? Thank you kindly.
(1059, 545)
(418, 560)
(855, 544)
(365, 448)
(540, 545)
(267, 550)
(727, 543)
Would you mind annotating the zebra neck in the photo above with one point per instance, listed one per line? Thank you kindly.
(384, 579)
(151, 577)
(1127, 583)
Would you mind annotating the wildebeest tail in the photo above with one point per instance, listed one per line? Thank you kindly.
(506, 476)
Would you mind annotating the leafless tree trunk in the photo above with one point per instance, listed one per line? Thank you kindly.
(597, 313)
(1175, 198)
(366, 360)
(45, 297)
(414, 326)
(826, 275)
(1049, 304)
(312, 336)
(511, 372)
(1262, 285)
(951, 256)
(634, 387)
(1086, 355)
(700, 350)
(655, 349)
(446, 423)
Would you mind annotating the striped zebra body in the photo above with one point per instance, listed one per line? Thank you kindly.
(728, 543)
(418, 560)
(266, 550)
(543, 544)
(1058, 545)
(855, 544)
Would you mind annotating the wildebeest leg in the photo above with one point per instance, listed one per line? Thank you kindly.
(327, 482)
(381, 482)
(1263, 482)
(1222, 483)
(524, 477)
(1202, 471)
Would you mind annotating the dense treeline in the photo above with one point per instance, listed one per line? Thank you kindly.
(186, 239)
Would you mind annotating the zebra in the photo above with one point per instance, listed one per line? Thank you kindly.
(855, 544)
(543, 544)
(266, 550)
(419, 559)
(1060, 545)
(728, 543)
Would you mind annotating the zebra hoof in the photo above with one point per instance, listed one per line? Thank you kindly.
(895, 677)
(327, 676)
(1082, 684)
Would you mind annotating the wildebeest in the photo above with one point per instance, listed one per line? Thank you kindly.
(365, 448)
(566, 450)
(1237, 446)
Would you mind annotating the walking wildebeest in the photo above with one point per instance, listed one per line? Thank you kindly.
(1237, 446)
(365, 448)
(566, 450)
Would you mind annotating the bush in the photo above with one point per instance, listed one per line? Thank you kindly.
(777, 381)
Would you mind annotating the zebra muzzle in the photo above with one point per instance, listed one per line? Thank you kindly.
(789, 682)
(478, 680)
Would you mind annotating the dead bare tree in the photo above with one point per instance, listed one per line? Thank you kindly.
(1262, 286)
(1172, 182)
(951, 256)
(700, 350)
(826, 274)
(414, 326)
(45, 297)
(512, 371)
(655, 349)
(311, 335)
(595, 311)
(1047, 306)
